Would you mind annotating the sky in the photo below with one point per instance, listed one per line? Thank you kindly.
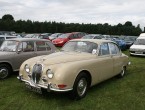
(76, 11)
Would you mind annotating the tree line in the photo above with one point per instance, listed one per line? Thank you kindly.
(7, 23)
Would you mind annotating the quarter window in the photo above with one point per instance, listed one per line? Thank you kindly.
(27, 46)
(114, 48)
(42, 46)
(104, 49)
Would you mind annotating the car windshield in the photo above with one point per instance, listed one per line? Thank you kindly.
(139, 42)
(81, 46)
(64, 36)
(88, 37)
(129, 38)
(53, 36)
(9, 46)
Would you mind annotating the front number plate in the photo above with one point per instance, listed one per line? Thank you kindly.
(139, 52)
(35, 89)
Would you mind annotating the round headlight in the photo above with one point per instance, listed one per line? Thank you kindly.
(27, 68)
(50, 74)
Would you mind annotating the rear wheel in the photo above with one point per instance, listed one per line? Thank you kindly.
(123, 72)
(80, 87)
(5, 71)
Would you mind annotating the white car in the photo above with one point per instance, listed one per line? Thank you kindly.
(138, 48)
(4, 37)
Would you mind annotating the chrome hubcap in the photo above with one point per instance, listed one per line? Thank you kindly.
(122, 73)
(3, 72)
(82, 86)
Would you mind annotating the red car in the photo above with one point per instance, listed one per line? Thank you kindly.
(62, 39)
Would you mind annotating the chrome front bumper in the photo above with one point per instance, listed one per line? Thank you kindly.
(48, 87)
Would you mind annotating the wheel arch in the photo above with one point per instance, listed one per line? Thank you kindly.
(88, 74)
(7, 63)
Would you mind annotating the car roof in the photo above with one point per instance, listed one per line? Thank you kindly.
(98, 41)
(8, 36)
(28, 39)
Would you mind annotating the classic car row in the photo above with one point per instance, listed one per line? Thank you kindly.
(61, 38)
(80, 64)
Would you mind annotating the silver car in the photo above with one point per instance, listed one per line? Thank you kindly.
(14, 52)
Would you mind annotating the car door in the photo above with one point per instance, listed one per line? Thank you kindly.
(43, 48)
(105, 62)
(116, 56)
(25, 51)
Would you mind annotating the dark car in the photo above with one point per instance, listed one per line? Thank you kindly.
(129, 40)
(62, 39)
(121, 43)
(14, 52)
(44, 36)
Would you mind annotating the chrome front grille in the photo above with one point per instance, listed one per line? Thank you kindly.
(36, 73)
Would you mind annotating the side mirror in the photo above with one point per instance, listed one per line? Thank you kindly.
(19, 51)
(94, 51)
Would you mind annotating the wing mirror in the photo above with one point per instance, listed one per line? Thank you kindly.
(19, 51)
(94, 51)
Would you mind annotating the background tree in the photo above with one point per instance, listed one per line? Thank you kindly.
(7, 17)
(7, 23)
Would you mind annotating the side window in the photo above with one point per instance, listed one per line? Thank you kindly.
(104, 49)
(42, 46)
(1, 40)
(97, 37)
(114, 49)
(76, 36)
(72, 36)
(27, 46)
(47, 46)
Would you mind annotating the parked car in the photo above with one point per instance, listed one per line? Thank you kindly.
(62, 39)
(121, 43)
(129, 40)
(8, 33)
(138, 48)
(29, 36)
(44, 36)
(14, 52)
(54, 36)
(81, 64)
(106, 37)
(4, 37)
(92, 36)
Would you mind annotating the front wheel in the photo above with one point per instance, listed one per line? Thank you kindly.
(5, 71)
(80, 87)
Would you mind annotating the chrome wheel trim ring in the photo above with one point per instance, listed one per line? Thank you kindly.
(3, 72)
(122, 72)
(82, 86)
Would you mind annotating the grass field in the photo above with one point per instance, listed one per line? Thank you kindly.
(127, 93)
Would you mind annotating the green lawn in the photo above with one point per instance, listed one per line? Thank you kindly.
(127, 93)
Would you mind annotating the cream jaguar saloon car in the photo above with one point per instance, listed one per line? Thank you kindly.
(81, 64)
(13, 52)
